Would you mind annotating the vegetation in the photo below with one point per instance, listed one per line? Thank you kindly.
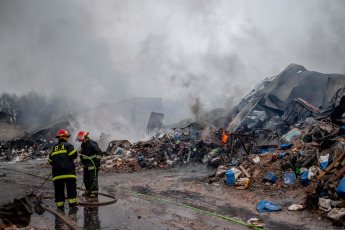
(33, 108)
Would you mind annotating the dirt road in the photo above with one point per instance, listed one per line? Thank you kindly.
(186, 185)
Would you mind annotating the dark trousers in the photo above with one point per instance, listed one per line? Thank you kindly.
(71, 185)
(91, 180)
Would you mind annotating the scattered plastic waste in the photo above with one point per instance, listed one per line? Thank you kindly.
(341, 188)
(256, 222)
(295, 207)
(336, 213)
(266, 206)
(286, 146)
(310, 120)
(325, 204)
(289, 178)
(270, 177)
(312, 172)
(256, 159)
(304, 178)
(270, 150)
(324, 161)
(233, 162)
(292, 133)
(176, 137)
(232, 175)
(282, 155)
(242, 183)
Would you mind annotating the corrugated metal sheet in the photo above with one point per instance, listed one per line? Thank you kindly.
(269, 103)
(333, 85)
(242, 114)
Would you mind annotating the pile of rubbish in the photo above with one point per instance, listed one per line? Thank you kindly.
(17, 214)
(35, 144)
(162, 151)
(287, 134)
(22, 149)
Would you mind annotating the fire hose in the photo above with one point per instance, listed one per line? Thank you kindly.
(67, 222)
(79, 188)
(153, 197)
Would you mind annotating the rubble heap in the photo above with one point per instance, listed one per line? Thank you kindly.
(286, 135)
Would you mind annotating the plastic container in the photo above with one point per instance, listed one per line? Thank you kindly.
(324, 161)
(286, 146)
(281, 155)
(242, 183)
(341, 188)
(298, 170)
(304, 178)
(289, 178)
(230, 177)
(270, 177)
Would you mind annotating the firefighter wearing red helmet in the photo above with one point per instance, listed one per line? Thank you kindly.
(62, 159)
(91, 156)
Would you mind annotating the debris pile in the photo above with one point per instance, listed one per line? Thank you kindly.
(26, 148)
(274, 141)
(162, 151)
(18, 212)
(36, 144)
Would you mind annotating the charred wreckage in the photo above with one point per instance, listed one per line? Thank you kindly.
(288, 132)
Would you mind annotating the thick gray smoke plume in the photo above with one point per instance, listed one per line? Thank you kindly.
(99, 52)
(196, 108)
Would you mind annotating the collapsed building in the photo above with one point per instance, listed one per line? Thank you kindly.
(264, 115)
(287, 98)
(290, 124)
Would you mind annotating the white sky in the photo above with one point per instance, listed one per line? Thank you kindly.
(103, 51)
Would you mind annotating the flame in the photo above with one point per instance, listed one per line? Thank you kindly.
(224, 137)
(231, 121)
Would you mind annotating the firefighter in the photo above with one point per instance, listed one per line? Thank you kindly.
(91, 156)
(61, 158)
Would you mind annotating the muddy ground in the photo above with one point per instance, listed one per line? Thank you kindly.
(184, 185)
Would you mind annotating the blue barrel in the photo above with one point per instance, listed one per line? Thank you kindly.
(289, 178)
(341, 188)
(304, 178)
(230, 177)
(270, 177)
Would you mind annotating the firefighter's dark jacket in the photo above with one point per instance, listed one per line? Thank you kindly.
(61, 158)
(91, 150)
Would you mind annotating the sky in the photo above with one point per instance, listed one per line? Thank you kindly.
(99, 52)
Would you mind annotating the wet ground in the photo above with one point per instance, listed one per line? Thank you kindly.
(184, 186)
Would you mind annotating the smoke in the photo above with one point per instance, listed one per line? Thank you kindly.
(196, 108)
(51, 48)
(103, 51)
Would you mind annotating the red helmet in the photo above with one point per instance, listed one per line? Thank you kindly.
(82, 136)
(62, 133)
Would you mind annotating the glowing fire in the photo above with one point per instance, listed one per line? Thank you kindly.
(231, 121)
(224, 138)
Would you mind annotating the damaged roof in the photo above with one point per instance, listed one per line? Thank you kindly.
(274, 94)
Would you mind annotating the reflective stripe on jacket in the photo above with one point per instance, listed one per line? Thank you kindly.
(91, 150)
(61, 158)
